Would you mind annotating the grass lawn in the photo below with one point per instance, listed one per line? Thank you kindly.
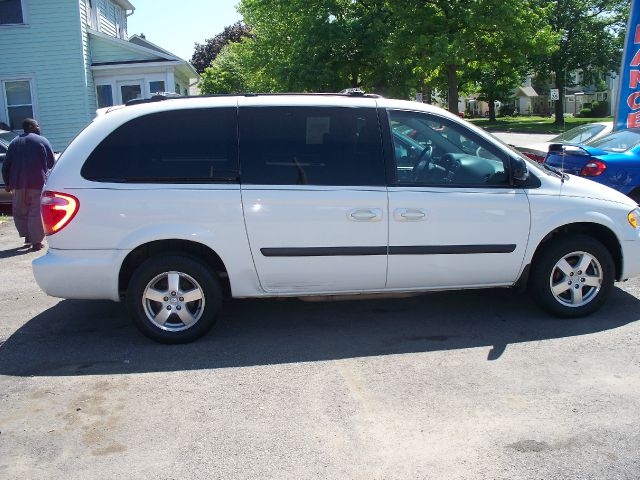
(533, 124)
(5, 214)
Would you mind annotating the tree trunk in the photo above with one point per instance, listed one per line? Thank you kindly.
(426, 94)
(425, 89)
(452, 88)
(492, 109)
(559, 104)
(355, 81)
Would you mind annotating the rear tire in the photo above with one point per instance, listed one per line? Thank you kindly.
(174, 299)
(572, 276)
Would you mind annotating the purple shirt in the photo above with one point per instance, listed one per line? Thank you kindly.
(28, 160)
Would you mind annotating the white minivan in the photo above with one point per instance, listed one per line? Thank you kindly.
(175, 204)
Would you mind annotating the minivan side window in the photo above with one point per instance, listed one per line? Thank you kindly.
(432, 150)
(176, 146)
(311, 146)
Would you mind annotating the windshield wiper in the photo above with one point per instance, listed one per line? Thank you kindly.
(557, 171)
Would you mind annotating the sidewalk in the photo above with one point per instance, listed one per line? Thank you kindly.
(521, 139)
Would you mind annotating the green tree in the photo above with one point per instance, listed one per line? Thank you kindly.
(457, 42)
(206, 53)
(321, 45)
(506, 49)
(236, 70)
(589, 35)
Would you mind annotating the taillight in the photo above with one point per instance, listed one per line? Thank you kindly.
(57, 210)
(593, 168)
(533, 156)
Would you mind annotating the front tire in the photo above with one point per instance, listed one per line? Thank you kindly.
(572, 276)
(174, 299)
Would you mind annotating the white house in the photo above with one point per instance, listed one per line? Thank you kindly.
(64, 59)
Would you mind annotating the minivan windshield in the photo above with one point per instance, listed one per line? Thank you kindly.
(619, 141)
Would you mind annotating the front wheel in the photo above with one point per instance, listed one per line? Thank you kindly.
(174, 299)
(573, 276)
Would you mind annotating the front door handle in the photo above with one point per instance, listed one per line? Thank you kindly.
(365, 214)
(409, 214)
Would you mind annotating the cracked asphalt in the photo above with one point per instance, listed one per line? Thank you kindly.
(457, 385)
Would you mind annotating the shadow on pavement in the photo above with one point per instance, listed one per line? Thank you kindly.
(14, 252)
(96, 337)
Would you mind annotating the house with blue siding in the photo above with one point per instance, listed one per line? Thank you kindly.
(64, 59)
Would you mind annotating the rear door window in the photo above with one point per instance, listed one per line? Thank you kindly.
(311, 146)
(176, 146)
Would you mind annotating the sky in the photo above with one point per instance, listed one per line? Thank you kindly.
(176, 26)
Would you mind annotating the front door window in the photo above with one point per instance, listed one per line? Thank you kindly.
(430, 150)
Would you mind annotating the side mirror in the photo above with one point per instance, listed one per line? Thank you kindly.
(519, 171)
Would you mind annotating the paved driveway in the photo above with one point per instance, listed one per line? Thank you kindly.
(460, 385)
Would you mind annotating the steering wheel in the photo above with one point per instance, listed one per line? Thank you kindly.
(421, 167)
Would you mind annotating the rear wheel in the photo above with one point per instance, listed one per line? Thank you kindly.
(174, 299)
(572, 276)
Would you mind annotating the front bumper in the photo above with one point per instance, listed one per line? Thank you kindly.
(630, 259)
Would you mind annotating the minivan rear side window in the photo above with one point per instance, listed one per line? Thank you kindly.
(175, 146)
(311, 146)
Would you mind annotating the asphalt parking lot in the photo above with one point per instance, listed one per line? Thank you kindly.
(458, 385)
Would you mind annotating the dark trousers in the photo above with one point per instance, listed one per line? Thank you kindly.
(26, 215)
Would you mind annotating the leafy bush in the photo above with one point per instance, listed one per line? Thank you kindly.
(586, 112)
(505, 110)
(600, 109)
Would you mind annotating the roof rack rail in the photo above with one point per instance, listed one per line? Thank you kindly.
(353, 92)
(156, 97)
(358, 92)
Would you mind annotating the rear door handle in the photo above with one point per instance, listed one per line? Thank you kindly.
(365, 214)
(409, 214)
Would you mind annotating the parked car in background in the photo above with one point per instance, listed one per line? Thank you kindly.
(5, 140)
(613, 160)
(578, 135)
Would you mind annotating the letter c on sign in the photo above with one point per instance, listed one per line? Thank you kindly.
(632, 101)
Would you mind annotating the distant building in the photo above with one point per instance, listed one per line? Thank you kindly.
(63, 59)
(527, 100)
(580, 95)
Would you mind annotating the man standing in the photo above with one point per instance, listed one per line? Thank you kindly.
(25, 168)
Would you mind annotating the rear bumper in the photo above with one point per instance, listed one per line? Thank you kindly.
(82, 274)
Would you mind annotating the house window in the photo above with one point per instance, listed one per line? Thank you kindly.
(19, 102)
(105, 96)
(571, 98)
(11, 12)
(130, 92)
(92, 16)
(177, 89)
(156, 87)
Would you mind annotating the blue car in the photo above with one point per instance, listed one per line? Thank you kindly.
(613, 160)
